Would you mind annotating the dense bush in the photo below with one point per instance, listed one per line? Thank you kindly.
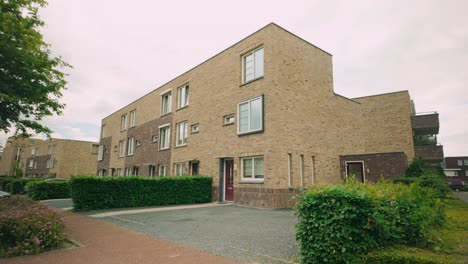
(27, 227)
(98, 193)
(16, 186)
(4, 181)
(341, 223)
(42, 190)
(428, 179)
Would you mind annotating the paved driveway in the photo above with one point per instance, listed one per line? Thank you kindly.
(246, 234)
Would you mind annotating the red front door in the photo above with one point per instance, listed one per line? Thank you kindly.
(228, 180)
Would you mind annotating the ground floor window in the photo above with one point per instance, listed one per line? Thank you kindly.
(135, 171)
(162, 170)
(252, 169)
(180, 169)
(128, 171)
(152, 170)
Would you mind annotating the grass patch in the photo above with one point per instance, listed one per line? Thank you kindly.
(448, 244)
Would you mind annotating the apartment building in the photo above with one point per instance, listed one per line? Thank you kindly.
(10, 160)
(52, 157)
(263, 120)
(457, 168)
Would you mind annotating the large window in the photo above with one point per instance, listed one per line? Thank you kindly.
(252, 169)
(180, 169)
(121, 148)
(166, 103)
(181, 134)
(123, 122)
(183, 96)
(131, 146)
(250, 114)
(465, 162)
(100, 153)
(50, 163)
(133, 118)
(252, 65)
(164, 137)
(460, 162)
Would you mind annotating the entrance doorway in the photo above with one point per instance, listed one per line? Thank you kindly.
(228, 180)
(355, 170)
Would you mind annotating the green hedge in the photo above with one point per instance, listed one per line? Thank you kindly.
(432, 180)
(98, 193)
(27, 227)
(48, 190)
(340, 224)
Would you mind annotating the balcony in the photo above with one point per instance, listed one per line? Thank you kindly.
(425, 123)
(430, 153)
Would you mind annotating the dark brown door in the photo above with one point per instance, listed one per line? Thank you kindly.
(228, 180)
(355, 170)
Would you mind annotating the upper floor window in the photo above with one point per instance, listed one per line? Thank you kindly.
(49, 150)
(164, 136)
(121, 148)
(195, 128)
(250, 116)
(166, 103)
(181, 134)
(252, 65)
(252, 169)
(229, 119)
(100, 153)
(123, 122)
(133, 118)
(130, 146)
(103, 131)
(465, 162)
(33, 152)
(460, 162)
(183, 96)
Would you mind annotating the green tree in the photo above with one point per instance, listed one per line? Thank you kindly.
(417, 168)
(31, 80)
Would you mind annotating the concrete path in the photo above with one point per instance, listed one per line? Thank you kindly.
(463, 196)
(104, 243)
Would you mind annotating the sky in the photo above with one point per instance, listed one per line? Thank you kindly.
(122, 50)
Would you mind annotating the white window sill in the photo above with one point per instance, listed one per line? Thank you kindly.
(245, 181)
(181, 146)
(164, 148)
(168, 113)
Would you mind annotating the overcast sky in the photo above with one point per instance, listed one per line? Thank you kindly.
(122, 50)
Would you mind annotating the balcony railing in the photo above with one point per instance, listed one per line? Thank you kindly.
(425, 123)
(430, 153)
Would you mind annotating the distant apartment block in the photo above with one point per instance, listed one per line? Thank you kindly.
(47, 158)
(263, 120)
(457, 168)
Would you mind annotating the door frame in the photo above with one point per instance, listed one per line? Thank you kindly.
(224, 179)
(362, 169)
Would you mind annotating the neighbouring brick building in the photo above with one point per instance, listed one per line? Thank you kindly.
(47, 158)
(262, 120)
(457, 168)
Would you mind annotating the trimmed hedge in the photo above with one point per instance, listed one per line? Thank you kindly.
(27, 227)
(340, 224)
(99, 193)
(48, 190)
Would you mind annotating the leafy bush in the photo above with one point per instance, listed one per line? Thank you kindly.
(48, 190)
(4, 181)
(428, 179)
(417, 167)
(27, 227)
(16, 186)
(338, 224)
(98, 193)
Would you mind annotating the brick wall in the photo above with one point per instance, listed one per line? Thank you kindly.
(41, 169)
(386, 165)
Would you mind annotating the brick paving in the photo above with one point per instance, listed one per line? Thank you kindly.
(104, 243)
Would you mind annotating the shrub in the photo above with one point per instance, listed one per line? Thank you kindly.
(16, 186)
(428, 179)
(27, 227)
(338, 224)
(98, 193)
(42, 190)
(4, 181)
(417, 167)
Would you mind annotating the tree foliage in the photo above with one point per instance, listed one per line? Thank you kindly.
(31, 80)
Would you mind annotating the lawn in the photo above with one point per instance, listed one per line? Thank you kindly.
(449, 243)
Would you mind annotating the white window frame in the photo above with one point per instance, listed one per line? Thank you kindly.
(465, 162)
(100, 153)
(123, 122)
(122, 148)
(49, 150)
(169, 102)
(459, 162)
(183, 95)
(181, 134)
(249, 131)
(195, 128)
(103, 131)
(130, 146)
(165, 140)
(162, 170)
(252, 179)
(363, 169)
(128, 171)
(180, 169)
(33, 152)
(244, 57)
(31, 164)
(228, 118)
(133, 118)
